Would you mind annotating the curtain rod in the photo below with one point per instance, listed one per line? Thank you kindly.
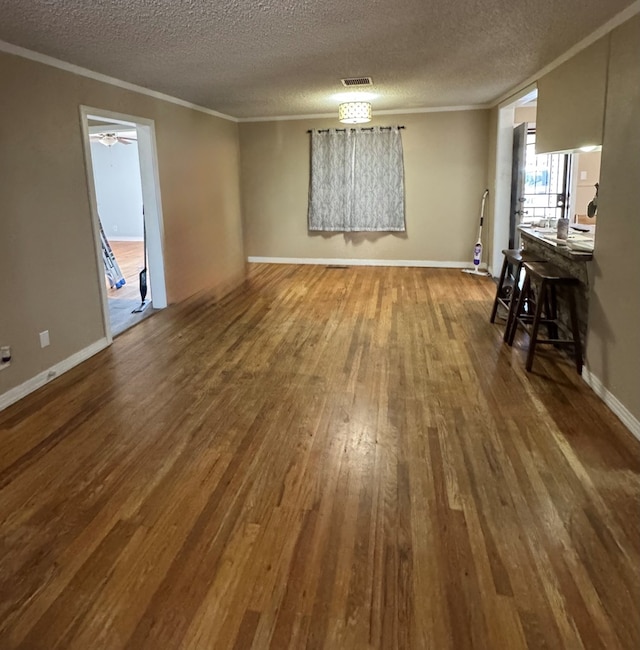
(366, 128)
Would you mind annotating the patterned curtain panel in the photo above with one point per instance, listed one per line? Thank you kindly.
(357, 180)
(330, 192)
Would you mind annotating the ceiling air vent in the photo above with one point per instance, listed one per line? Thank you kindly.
(357, 81)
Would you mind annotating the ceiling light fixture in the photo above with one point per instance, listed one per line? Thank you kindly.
(354, 112)
(107, 139)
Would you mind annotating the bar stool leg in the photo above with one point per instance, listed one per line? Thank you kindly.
(503, 275)
(548, 310)
(536, 324)
(512, 326)
(553, 333)
(515, 295)
(577, 345)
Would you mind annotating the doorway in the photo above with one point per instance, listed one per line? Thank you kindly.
(511, 112)
(540, 191)
(122, 178)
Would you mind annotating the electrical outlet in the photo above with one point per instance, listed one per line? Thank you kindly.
(115, 228)
(5, 356)
(44, 339)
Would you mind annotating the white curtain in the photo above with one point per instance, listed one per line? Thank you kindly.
(357, 180)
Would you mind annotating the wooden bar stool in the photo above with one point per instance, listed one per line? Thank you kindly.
(546, 278)
(507, 293)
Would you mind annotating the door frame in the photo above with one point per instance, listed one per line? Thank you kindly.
(516, 205)
(502, 184)
(153, 220)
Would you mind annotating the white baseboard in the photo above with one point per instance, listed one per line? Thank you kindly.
(31, 385)
(328, 261)
(626, 417)
(114, 238)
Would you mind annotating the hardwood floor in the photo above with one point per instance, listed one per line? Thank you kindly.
(130, 258)
(327, 458)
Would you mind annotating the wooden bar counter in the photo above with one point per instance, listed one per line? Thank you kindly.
(571, 255)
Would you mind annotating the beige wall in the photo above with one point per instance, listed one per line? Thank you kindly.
(48, 270)
(489, 223)
(525, 114)
(613, 346)
(445, 158)
(570, 107)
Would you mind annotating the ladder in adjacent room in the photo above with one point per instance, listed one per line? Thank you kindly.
(111, 268)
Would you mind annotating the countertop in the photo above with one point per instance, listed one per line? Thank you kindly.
(578, 247)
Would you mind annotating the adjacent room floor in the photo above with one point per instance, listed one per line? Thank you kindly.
(327, 458)
(130, 258)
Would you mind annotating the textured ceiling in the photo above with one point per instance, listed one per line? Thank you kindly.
(258, 58)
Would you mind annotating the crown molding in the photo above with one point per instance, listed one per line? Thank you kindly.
(398, 111)
(45, 59)
(609, 26)
(605, 29)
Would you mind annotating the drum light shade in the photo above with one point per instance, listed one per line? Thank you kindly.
(354, 112)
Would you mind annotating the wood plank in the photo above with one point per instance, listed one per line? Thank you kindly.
(324, 458)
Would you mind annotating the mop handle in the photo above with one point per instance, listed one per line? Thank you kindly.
(484, 199)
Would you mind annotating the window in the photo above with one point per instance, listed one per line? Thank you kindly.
(357, 180)
(545, 183)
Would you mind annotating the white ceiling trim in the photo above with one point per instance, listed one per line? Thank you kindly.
(519, 97)
(433, 109)
(23, 52)
(507, 97)
(285, 118)
(609, 26)
(407, 111)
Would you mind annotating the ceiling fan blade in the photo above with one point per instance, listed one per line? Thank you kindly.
(125, 140)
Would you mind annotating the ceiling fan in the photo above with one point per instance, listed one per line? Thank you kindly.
(109, 139)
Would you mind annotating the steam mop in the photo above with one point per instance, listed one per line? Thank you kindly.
(477, 249)
(143, 273)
